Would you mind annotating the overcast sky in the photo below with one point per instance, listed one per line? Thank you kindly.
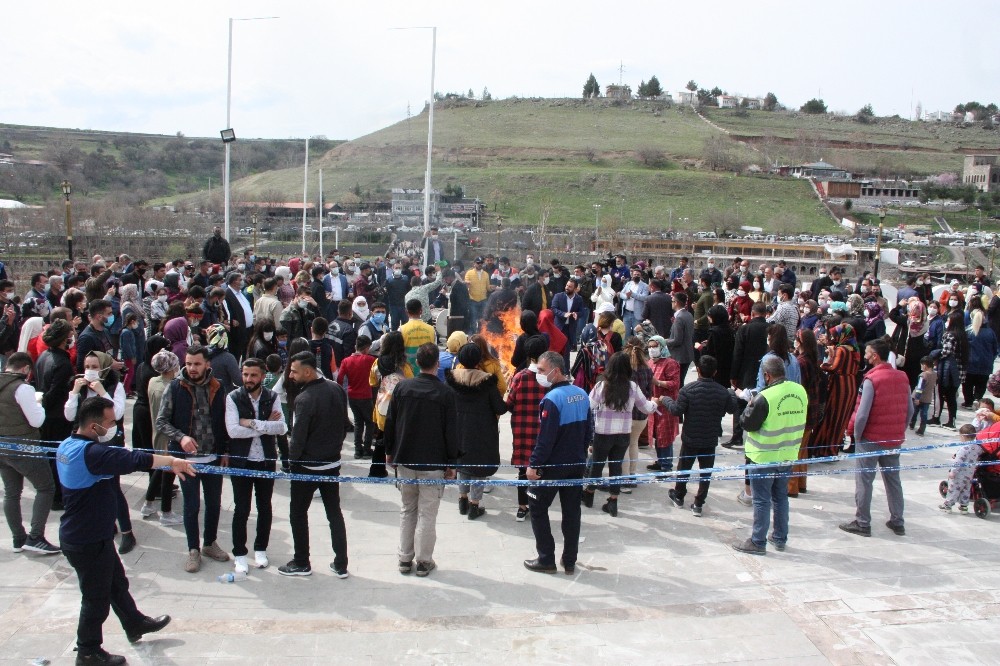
(338, 69)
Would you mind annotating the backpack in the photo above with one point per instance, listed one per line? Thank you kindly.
(385, 388)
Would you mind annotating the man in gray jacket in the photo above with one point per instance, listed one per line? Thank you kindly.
(681, 340)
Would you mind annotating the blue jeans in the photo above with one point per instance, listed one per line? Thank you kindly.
(192, 489)
(476, 311)
(628, 318)
(665, 456)
(770, 488)
(922, 412)
(397, 316)
(581, 321)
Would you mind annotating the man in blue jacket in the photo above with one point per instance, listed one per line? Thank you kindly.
(86, 531)
(560, 453)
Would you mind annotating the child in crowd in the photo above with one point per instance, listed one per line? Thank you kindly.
(127, 350)
(923, 394)
(322, 348)
(985, 415)
(353, 376)
(966, 461)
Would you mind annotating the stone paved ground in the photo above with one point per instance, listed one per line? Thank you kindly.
(655, 585)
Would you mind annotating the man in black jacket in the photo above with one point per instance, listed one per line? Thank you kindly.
(253, 420)
(421, 440)
(240, 315)
(217, 249)
(318, 429)
(458, 297)
(537, 296)
(702, 404)
(751, 345)
(659, 310)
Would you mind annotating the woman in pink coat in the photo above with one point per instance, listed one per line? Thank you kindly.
(666, 381)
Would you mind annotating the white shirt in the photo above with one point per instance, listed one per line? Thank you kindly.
(256, 429)
(73, 402)
(30, 407)
(247, 310)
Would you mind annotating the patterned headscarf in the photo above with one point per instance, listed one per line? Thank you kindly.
(855, 304)
(664, 351)
(917, 316)
(130, 295)
(873, 313)
(843, 335)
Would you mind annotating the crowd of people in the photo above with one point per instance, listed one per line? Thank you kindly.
(257, 364)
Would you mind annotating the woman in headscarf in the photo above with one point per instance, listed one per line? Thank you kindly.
(808, 360)
(31, 328)
(131, 302)
(953, 361)
(478, 406)
(286, 292)
(982, 353)
(361, 311)
(874, 321)
(666, 381)
(741, 305)
(810, 315)
(720, 343)
(557, 339)
(910, 319)
(841, 366)
(161, 483)
(604, 293)
(856, 316)
(177, 331)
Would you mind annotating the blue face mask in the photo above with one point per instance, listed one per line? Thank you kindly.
(378, 318)
(110, 321)
(282, 343)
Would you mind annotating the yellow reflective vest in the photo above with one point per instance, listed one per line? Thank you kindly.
(781, 433)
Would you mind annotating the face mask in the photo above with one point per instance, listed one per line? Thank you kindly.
(303, 305)
(92, 375)
(822, 275)
(756, 285)
(865, 290)
(740, 292)
(241, 267)
(654, 352)
(335, 271)
(711, 266)
(836, 281)
(109, 435)
(542, 379)
(932, 312)
(952, 302)
(530, 261)
(282, 343)
(532, 367)
(824, 301)
(162, 298)
(801, 302)
(396, 272)
(927, 281)
(268, 335)
(110, 321)
(545, 281)
(378, 318)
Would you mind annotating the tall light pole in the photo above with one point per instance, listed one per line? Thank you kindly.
(67, 190)
(878, 241)
(625, 225)
(597, 225)
(229, 106)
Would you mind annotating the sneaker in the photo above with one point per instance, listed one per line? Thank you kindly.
(696, 510)
(339, 573)
(213, 551)
(654, 467)
(148, 509)
(240, 565)
(475, 511)
(193, 562)
(777, 546)
(406, 568)
(424, 568)
(260, 559)
(98, 656)
(946, 507)
(744, 499)
(463, 506)
(19, 543)
(522, 513)
(750, 548)
(171, 518)
(898, 530)
(626, 488)
(40, 546)
(675, 498)
(294, 569)
(854, 528)
(964, 508)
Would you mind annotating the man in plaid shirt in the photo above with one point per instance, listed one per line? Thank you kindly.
(523, 398)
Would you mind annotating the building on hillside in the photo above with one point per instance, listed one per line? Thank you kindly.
(897, 190)
(938, 116)
(728, 101)
(688, 97)
(408, 208)
(982, 171)
(841, 189)
(614, 91)
(752, 103)
(820, 171)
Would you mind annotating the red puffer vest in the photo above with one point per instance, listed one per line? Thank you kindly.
(887, 419)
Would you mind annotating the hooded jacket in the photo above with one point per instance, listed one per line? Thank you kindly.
(478, 403)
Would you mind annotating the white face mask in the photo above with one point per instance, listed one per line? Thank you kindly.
(740, 292)
(268, 335)
(952, 302)
(532, 367)
(396, 272)
(542, 379)
(162, 298)
(932, 312)
(654, 352)
(802, 302)
(756, 285)
(335, 271)
(530, 261)
(711, 266)
(545, 281)
(822, 275)
(109, 435)
(92, 375)
(865, 290)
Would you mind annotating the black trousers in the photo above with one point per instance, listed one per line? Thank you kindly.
(245, 488)
(610, 449)
(104, 587)
(706, 460)
(364, 426)
(539, 500)
(301, 497)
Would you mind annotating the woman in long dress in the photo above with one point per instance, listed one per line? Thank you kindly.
(666, 381)
(841, 366)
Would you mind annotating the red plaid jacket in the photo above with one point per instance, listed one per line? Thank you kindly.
(523, 397)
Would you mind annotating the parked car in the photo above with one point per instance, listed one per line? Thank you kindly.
(958, 243)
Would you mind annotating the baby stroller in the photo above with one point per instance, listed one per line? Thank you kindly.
(984, 494)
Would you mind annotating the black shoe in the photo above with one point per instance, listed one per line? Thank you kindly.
(655, 467)
(377, 471)
(848, 450)
(358, 454)
(366, 453)
(406, 567)
(475, 511)
(777, 546)
(677, 500)
(898, 530)
(950, 425)
(570, 569)
(537, 566)
(127, 544)
(19, 543)
(854, 528)
(339, 573)
(913, 424)
(750, 548)
(424, 568)
(730, 444)
(98, 656)
(149, 625)
(293, 569)
(934, 421)
(921, 429)
(522, 513)
(611, 506)
(463, 505)
(587, 499)
(40, 546)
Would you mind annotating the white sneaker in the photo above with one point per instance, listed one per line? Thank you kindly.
(148, 509)
(260, 559)
(171, 518)
(241, 564)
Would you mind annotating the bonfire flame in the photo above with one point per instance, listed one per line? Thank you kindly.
(501, 331)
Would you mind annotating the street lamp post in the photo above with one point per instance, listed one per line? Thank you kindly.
(597, 225)
(67, 190)
(254, 218)
(878, 241)
(499, 225)
(625, 225)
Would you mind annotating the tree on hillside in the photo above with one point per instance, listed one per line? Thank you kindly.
(813, 106)
(770, 102)
(865, 115)
(487, 97)
(591, 88)
(716, 91)
(719, 152)
(692, 86)
(652, 157)
(706, 98)
(651, 89)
